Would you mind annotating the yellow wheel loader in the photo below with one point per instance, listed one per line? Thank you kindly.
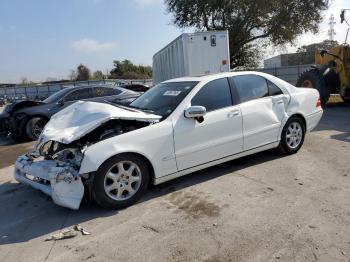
(331, 74)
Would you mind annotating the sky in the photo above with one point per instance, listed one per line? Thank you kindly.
(41, 39)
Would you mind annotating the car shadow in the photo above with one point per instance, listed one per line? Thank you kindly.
(336, 118)
(29, 214)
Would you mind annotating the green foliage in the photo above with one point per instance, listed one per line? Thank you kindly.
(83, 73)
(127, 70)
(251, 24)
(97, 75)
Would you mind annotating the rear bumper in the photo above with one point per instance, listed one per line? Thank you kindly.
(313, 120)
(60, 181)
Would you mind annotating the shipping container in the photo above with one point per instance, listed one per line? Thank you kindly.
(193, 54)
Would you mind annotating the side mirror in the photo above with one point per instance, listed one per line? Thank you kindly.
(60, 103)
(196, 112)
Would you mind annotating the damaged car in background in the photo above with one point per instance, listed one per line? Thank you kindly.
(112, 152)
(27, 118)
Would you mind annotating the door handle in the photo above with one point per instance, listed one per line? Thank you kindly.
(233, 113)
(280, 102)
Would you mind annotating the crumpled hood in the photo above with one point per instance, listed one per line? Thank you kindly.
(19, 104)
(82, 117)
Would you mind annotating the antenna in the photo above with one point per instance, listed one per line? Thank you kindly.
(331, 30)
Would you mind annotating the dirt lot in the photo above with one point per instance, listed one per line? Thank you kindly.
(260, 208)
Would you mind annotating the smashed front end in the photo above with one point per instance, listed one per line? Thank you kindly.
(53, 166)
(57, 174)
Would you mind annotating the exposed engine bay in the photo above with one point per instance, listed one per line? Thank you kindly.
(73, 153)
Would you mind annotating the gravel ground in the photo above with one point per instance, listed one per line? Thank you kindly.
(263, 207)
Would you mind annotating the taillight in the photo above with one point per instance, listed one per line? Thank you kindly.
(318, 103)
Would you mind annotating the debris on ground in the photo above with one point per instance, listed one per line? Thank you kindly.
(68, 233)
(79, 228)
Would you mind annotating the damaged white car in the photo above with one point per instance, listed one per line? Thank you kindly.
(177, 127)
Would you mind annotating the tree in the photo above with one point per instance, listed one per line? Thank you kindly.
(251, 24)
(127, 70)
(83, 73)
(98, 75)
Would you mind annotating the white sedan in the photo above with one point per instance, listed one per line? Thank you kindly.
(177, 127)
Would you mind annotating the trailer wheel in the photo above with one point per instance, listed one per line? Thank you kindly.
(314, 79)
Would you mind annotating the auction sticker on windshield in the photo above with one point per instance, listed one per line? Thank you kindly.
(171, 93)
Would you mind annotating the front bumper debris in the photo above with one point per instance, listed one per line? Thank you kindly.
(56, 179)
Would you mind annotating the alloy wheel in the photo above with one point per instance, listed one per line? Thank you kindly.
(294, 135)
(122, 180)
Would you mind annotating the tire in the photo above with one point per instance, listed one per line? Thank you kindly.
(110, 177)
(34, 127)
(314, 79)
(293, 129)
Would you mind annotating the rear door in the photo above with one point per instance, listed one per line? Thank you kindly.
(263, 109)
(218, 136)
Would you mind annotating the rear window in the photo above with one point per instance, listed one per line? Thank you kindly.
(273, 89)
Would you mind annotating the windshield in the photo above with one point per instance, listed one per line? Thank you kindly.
(57, 96)
(162, 99)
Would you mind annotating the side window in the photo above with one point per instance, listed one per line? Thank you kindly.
(214, 95)
(250, 87)
(273, 89)
(100, 91)
(79, 94)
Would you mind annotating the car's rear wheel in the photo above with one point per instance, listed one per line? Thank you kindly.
(120, 181)
(35, 126)
(292, 137)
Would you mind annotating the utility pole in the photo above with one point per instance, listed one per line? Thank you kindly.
(331, 30)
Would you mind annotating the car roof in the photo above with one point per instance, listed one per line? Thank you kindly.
(92, 86)
(207, 78)
(214, 76)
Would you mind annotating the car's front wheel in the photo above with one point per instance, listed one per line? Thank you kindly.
(120, 181)
(292, 137)
(35, 126)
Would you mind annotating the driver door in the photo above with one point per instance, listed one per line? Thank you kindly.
(218, 136)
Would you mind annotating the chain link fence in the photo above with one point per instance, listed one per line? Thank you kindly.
(40, 91)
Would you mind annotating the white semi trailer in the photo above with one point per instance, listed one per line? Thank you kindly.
(193, 54)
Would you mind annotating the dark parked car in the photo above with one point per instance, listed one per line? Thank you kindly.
(27, 118)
